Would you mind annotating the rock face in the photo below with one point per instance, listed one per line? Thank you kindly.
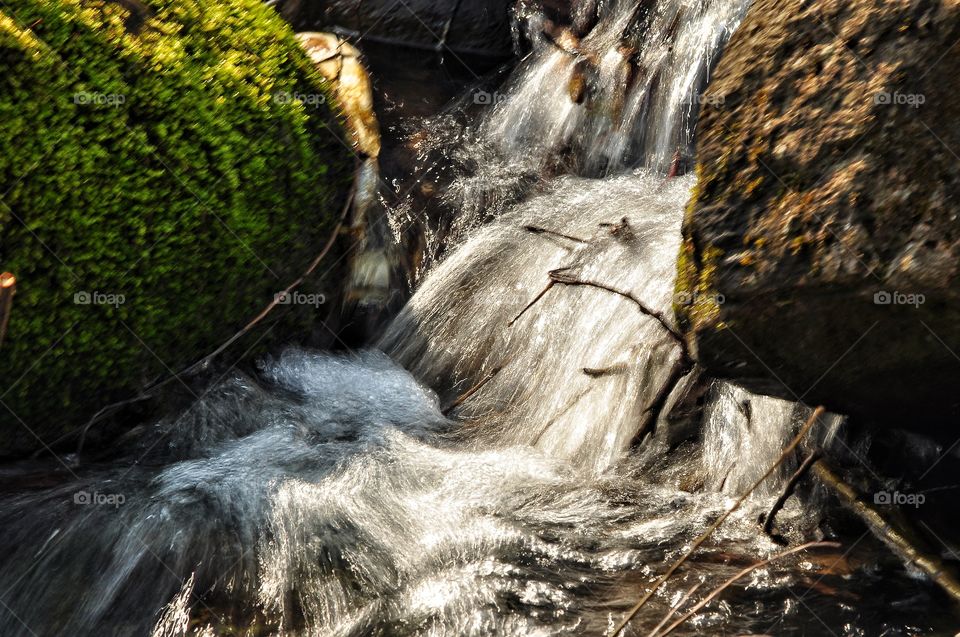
(822, 245)
(159, 185)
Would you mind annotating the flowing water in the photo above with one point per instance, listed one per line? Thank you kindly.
(494, 466)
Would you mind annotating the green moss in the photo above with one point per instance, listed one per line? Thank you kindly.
(160, 160)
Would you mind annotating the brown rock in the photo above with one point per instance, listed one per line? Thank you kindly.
(829, 177)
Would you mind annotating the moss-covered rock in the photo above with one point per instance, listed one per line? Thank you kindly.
(825, 214)
(164, 171)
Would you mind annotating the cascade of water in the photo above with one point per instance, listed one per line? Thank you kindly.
(627, 94)
(459, 326)
(331, 496)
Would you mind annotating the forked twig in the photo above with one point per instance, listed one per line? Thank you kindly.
(812, 457)
(561, 276)
(814, 417)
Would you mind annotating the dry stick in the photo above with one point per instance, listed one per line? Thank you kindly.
(560, 276)
(531, 304)
(465, 396)
(812, 457)
(8, 287)
(539, 230)
(715, 592)
(713, 527)
(930, 564)
(674, 609)
(148, 392)
(610, 370)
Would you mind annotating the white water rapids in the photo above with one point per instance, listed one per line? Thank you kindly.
(330, 495)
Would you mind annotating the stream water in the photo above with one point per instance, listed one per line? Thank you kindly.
(349, 494)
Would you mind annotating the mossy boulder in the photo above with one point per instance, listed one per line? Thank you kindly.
(165, 169)
(825, 214)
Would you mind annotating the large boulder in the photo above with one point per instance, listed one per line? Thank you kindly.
(822, 244)
(165, 170)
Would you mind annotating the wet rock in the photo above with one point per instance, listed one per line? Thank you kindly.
(821, 249)
(340, 64)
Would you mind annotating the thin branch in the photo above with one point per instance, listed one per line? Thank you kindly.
(894, 537)
(531, 303)
(611, 370)
(812, 457)
(814, 417)
(465, 396)
(561, 276)
(554, 233)
(150, 391)
(740, 575)
(8, 287)
(674, 609)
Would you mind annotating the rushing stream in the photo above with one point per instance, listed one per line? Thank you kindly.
(350, 494)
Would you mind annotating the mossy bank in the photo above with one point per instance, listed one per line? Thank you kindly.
(165, 169)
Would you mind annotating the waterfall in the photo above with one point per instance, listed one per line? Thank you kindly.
(640, 74)
(459, 327)
(471, 476)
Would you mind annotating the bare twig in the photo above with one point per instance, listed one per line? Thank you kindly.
(563, 277)
(715, 592)
(8, 287)
(674, 609)
(812, 457)
(681, 367)
(894, 537)
(151, 390)
(465, 396)
(554, 233)
(610, 370)
(531, 304)
(814, 417)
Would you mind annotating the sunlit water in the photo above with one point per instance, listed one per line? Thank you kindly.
(331, 495)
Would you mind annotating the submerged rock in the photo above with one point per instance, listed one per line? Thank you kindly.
(821, 248)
